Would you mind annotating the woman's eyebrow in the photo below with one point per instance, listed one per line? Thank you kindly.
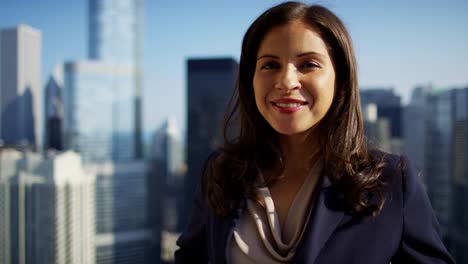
(268, 56)
(313, 53)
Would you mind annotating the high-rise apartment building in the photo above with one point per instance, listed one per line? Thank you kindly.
(20, 87)
(210, 84)
(47, 209)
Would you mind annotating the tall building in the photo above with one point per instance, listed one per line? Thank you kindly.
(439, 154)
(123, 231)
(377, 129)
(388, 105)
(99, 114)
(54, 110)
(47, 209)
(389, 108)
(166, 183)
(20, 87)
(415, 120)
(116, 36)
(458, 228)
(210, 84)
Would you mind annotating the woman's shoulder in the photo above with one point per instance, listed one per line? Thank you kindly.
(400, 176)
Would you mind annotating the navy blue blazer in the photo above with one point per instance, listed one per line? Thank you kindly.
(405, 231)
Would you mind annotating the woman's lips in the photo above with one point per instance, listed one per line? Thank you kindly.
(288, 105)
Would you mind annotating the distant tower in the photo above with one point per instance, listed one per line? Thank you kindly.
(99, 114)
(116, 36)
(47, 209)
(458, 227)
(415, 118)
(166, 187)
(388, 108)
(210, 84)
(20, 87)
(439, 149)
(54, 111)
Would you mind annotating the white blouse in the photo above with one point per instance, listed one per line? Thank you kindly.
(257, 236)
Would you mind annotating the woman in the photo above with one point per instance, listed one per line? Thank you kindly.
(298, 184)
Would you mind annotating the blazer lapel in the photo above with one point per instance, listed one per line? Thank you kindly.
(326, 216)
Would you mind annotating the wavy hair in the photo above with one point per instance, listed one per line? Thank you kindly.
(229, 174)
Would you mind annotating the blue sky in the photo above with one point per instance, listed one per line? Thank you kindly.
(398, 43)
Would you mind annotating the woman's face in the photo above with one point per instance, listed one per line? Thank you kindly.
(294, 80)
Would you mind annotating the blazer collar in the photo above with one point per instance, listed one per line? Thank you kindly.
(326, 216)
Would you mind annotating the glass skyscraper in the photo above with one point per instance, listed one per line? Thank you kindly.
(210, 85)
(99, 114)
(115, 36)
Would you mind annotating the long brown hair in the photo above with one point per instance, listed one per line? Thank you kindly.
(230, 174)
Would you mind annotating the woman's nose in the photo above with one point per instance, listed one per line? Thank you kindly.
(288, 80)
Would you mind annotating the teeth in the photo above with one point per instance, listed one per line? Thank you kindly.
(288, 105)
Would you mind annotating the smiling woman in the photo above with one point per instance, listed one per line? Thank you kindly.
(299, 184)
(294, 78)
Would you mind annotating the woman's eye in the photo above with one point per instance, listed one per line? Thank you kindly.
(310, 65)
(269, 66)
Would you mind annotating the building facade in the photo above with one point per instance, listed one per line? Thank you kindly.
(116, 37)
(54, 110)
(166, 184)
(47, 207)
(20, 87)
(123, 232)
(439, 155)
(458, 227)
(210, 84)
(99, 114)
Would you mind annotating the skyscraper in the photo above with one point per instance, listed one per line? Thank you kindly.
(99, 112)
(458, 228)
(54, 111)
(165, 182)
(389, 108)
(415, 118)
(439, 154)
(210, 84)
(123, 232)
(20, 87)
(388, 105)
(47, 209)
(116, 36)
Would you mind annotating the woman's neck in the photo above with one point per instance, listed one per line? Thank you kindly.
(298, 152)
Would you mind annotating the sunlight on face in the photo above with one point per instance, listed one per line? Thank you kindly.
(294, 78)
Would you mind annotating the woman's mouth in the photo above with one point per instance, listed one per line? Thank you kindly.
(288, 105)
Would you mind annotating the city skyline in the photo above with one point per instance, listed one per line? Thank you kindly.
(397, 44)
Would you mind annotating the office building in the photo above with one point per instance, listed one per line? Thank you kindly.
(47, 209)
(166, 183)
(54, 110)
(458, 228)
(99, 114)
(116, 36)
(20, 87)
(388, 106)
(210, 84)
(415, 120)
(440, 154)
(123, 230)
